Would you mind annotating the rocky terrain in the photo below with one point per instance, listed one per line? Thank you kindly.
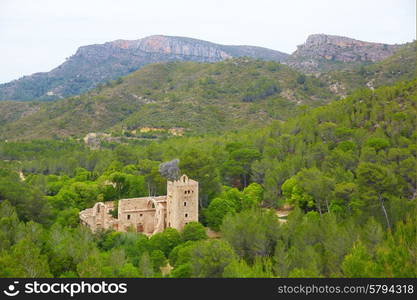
(323, 52)
(401, 66)
(99, 64)
(197, 97)
(95, 64)
(177, 98)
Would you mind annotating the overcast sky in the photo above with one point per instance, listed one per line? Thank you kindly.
(37, 35)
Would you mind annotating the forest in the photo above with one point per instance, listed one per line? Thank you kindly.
(347, 170)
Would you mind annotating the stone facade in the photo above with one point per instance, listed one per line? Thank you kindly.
(148, 215)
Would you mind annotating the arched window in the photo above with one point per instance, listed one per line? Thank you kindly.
(184, 178)
(151, 204)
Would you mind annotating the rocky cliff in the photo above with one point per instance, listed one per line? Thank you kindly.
(323, 52)
(95, 64)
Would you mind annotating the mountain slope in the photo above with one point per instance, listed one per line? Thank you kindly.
(323, 52)
(13, 110)
(94, 64)
(198, 97)
(397, 67)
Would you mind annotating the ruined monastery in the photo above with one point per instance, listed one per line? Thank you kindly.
(148, 215)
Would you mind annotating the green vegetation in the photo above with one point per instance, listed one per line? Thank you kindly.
(202, 98)
(101, 65)
(12, 110)
(197, 98)
(400, 66)
(347, 169)
(259, 143)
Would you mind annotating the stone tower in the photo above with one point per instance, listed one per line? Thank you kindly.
(182, 202)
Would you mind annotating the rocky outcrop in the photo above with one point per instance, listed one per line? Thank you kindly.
(182, 47)
(95, 64)
(323, 52)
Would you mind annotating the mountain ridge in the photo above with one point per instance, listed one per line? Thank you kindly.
(324, 52)
(401, 66)
(98, 63)
(198, 97)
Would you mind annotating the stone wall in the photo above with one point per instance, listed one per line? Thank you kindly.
(148, 215)
(182, 202)
(98, 217)
(141, 214)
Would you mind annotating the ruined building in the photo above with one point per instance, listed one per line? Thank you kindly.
(148, 215)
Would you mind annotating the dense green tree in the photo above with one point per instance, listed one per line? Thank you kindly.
(396, 254)
(9, 223)
(158, 260)
(194, 231)
(252, 196)
(29, 201)
(252, 233)
(28, 261)
(345, 172)
(128, 271)
(345, 198)
(295, 195)
(358, 263)
(210, 257)
(165, 241)
(200, 166)
(377, 183)
(217, 210)
(145, 266)
(92, 266)
(239, 164)
(281, 258)
(182, 271)
(240, 269)
(181, 254)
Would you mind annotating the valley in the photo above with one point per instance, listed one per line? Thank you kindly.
(305, 163)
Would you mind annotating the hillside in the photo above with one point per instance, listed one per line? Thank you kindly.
(197, 97)
(347, 169)
(12, 110)
(397, 67)
(95, 64)
(321, 53)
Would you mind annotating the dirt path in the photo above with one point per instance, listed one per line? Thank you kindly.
(212, 234)
(283, 212)
(166, 270)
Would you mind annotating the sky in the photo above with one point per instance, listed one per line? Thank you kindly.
(38, 35)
